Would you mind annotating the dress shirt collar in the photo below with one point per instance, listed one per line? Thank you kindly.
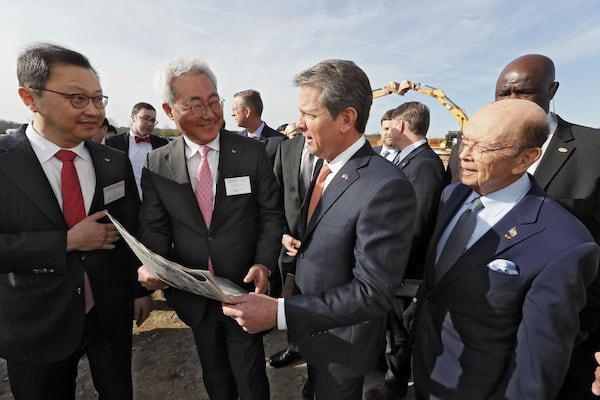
(337, 163)
(408, 149)
(191, 148)
(258, 132)
(45, 149)
(508, 196)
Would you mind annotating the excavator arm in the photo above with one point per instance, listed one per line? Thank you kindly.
(404, 86)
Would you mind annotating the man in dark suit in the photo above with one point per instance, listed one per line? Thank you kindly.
(247, 110)
(139, 140)
(67, 284)
(425, 171)
(497, 311)
(569, 171)
(237, 237)
(355, 239)
(386, 149)
(293, 168)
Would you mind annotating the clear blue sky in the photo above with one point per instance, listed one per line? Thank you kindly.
(459, 47)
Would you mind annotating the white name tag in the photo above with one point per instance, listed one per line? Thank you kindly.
(114, 192)
(234, 186)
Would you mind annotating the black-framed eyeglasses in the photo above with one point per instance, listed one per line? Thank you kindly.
(478, 151)
(201, 109)
(148, 120)
(79, 100)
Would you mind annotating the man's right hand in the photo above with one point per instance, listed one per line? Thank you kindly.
(148, 280)
(89, 234)
(291, 244)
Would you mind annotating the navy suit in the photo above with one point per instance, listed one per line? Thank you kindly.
(484, 334)
(42, 310)
(569, 172)
(349, 265)
(270, 138)
(246, 229)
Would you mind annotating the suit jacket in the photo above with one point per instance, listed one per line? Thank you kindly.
(245, 229)
(270, 138)
(41, 284)
(484, 334)
(569, 172)
(287, 172)
(121, 141)
(426, 172)
(350, 264)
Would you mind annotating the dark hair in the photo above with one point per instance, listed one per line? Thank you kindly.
(343, 85)
(251, 98)
(282, 127)
(387, 116)
(105, 123)
(111, 129)
(415, 114)
(142, 106)
(35, 63)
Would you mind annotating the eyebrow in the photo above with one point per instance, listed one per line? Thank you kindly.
(194, 98)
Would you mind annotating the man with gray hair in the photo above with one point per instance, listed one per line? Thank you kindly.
(211, 201)
(355, 231)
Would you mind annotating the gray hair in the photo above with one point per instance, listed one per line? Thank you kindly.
(176, 68)
(344, 85)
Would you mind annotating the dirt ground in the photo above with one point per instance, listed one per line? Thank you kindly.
(166, 365)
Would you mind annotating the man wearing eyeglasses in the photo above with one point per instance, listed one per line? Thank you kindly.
(247, 111)
(505, 273)
(139, 141)
(211, 201)
(67, 284)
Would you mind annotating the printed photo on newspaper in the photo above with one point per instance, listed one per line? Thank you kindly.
(197, 281)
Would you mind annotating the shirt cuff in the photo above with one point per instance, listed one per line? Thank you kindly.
(281, 321)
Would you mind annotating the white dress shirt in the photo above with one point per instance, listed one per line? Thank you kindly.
(193, 161)
(137, 156)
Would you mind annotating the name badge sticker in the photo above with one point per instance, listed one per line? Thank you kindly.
(114, 192)
(235, 186)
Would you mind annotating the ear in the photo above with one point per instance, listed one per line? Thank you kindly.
(247, 112)
(553, 89)
(527, 157)
(27, 98)
(168, 110)
(347, 119)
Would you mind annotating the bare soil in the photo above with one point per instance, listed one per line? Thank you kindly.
(166, 365)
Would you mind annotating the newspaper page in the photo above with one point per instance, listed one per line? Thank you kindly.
(197, 281)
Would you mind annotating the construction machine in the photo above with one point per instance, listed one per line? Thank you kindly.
(404, 86)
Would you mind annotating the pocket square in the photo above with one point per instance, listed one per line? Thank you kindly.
(503, 266)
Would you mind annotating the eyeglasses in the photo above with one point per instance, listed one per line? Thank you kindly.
(201, 109)
(148, 120)
(79, 100)
(478, 151)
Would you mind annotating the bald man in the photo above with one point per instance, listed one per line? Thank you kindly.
(499, 319)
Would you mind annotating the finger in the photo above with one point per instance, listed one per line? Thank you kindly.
(98, 215)
(597, 356)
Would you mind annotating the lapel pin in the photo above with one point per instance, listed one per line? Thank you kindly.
(345, 177)
(106, 159)
(511, 233)
(562, 150)
(233, 151)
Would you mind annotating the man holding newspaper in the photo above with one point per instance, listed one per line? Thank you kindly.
(210, 201)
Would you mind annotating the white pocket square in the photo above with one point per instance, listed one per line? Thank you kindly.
(503, 266)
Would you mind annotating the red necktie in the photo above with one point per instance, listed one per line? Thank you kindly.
(140, 139)
(317, 191)
(73, 207)
(204, 190)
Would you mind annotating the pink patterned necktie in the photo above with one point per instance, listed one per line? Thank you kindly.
(204, 190)
(73, 207)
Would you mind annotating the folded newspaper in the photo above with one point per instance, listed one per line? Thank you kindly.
(197, 281)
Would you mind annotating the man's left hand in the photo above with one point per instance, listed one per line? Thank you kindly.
(259, 274)
(253, 312)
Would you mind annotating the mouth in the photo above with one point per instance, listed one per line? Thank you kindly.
(90, 124)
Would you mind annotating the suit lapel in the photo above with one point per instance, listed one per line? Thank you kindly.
(23, 167)
(410, 156)
(560, 148)
(344, 178)
(229, 158)
(515, 227)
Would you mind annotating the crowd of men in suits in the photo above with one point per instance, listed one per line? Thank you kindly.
(483, 288)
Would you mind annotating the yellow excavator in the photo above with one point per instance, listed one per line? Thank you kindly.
(404, 86)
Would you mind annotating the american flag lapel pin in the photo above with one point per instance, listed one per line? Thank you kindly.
(512, 232)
